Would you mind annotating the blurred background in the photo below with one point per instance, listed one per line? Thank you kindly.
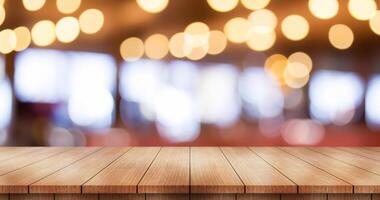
(200, 72)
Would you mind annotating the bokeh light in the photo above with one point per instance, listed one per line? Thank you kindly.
(261, 41)
(132, 49)
(217, 42)
(374, 23)
(362, 9)
(302, 132)
(301, 57)
(372, 108)
(197, 34)
(91, 21)
(255, 4)
(43, 33)
(223, 5)
(67, 29)
(153, 6)
(237, 30)
(296, 75)
(295, 27)
(2, 15)
(262, 21)
(197, 53)
(177, 46)
(275, 66)
(33, 5)
(341, 36)
(23, 38)
(7, 41)
(68, 6)
(156, 46)
(6, 102)
(324, 9)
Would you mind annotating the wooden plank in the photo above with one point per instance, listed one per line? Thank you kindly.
(4, 196)
(169, 173)
(213, 197)
(352, 159)
(29, 158)
(257, 175)
(76, 197)
(10, 152)
(316, 181)
(304, 197)
(31, 197)
(258, 197)
(375, 196)
(167, 197)
(19, 180)
(349, 197)
(375, 155)
(122, 197)
(124, 174)
(71, 179)
(212, 173)
(363, 181)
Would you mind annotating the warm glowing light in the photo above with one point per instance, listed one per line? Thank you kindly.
(261, 41)
(297, 70)
(177, 46)
(374, 23)
(324, 9)
(23, 38)
(33, 5)
(237, 30)
(362, 9)
(7, 41)
(293, 81)
(197, 35)
(262, 21)
(295, 27)
(217, 42)
(275, 65)
(68, 6)
(301, 57)
(153, 6)
(67, 29)
(197, 53)
(341, 36)
(302, 132)
(2, 14)
(91, 21)
(2, 2)
(156, 46)
(132, 49)
(255, 4)
(223, 5)
(43, 33)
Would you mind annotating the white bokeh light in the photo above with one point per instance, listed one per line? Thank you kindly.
(218, 97)
(372, 103)
(5, 104)
(334, 96)
(261, 95)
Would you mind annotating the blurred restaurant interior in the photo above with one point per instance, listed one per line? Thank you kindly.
(200, 72)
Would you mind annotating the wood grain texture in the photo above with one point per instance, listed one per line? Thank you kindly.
(167, 197)
(352, 159)
(18, 181)
(213, 197)
(124, 174)
(309, 178)
(31, 197)
(71, 179)
(258, 197)
(257, 175)
(349, 197)
(76, 197)
(303, 197)
(4, 196)
(10, 152)
(375, 155)
(362, 180)
(212, 173)
(376, 197)
(29, 158)
(169, 173)
(122, 197)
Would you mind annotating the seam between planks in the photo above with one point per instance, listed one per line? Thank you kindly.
(138, 183)
(37, 161)
(358, 154)
(345, 162)
(63, 168)
(21, 154)
(81, 187)
(241, 180)
(275, 168)
(353, 189)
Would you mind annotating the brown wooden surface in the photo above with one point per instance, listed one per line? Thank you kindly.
(212, 173)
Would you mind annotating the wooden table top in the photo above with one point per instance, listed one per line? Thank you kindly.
(189, 170)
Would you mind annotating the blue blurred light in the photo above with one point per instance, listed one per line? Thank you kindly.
(372, 104)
